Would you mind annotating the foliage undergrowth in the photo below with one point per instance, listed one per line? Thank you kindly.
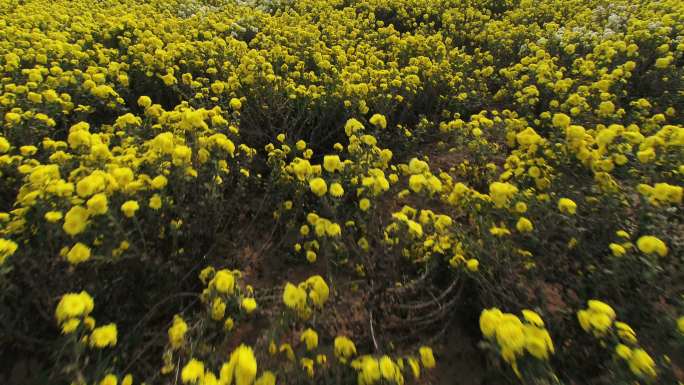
(319, 192)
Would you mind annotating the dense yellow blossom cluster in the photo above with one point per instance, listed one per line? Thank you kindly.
(398, 153)
(599, 318)
(515, 340)
(306, 296)
(73, 315)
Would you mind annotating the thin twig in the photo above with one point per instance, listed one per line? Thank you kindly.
(375, 343)
(175, 381)
(422, 305)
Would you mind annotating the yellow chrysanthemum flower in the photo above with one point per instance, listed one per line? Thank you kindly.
(79, 253)
(318, 186)
(103, 336)
(310, 338)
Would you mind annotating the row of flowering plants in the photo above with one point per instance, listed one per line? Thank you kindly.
(306, 191)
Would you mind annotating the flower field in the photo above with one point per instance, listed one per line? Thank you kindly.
(338, 192)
